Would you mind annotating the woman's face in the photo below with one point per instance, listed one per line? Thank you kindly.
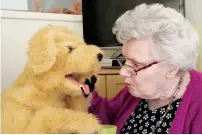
(148, 83)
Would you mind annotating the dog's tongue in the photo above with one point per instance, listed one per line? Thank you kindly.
(84, 86)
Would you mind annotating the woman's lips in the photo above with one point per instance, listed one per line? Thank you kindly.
(127, 82)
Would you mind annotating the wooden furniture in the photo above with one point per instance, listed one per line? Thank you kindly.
(109, 82)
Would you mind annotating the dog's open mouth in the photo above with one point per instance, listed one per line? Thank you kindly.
(74, 78)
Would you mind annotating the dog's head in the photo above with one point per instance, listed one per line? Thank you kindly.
(59, 59)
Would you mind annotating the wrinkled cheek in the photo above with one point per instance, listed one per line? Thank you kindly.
(141, 84)
(136, 82)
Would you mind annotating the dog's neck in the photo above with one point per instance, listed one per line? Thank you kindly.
(47, 81)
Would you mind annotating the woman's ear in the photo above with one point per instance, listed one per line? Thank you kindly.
(42, 51)
(172, 70)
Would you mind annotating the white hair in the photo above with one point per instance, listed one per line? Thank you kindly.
(171, 33)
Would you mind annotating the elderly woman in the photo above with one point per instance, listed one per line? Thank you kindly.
(163, 92)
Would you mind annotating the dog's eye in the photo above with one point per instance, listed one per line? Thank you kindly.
(70, 48)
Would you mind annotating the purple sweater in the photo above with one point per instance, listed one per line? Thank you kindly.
(188, 117)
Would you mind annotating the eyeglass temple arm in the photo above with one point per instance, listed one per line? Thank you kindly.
(146, 66)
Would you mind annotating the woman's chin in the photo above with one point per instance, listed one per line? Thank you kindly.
(133, 91)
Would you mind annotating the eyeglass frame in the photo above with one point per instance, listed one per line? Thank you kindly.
(144, 67)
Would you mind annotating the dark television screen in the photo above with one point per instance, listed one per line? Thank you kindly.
(99, 17)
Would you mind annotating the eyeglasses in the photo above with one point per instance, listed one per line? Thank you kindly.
(131, 69)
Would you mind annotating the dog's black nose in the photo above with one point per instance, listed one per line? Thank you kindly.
(99, 56)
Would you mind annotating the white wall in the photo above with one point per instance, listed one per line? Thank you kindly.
(193, 9)
(194, 15)
(17, 28)
(14, 4)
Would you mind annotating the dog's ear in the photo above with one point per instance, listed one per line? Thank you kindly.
(42, 52)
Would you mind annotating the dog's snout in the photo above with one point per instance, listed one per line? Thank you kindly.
(99, 56)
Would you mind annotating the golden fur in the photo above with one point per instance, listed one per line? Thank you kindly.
(42, 100)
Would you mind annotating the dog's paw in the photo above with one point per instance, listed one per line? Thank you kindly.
(91, 83)
(93, 79)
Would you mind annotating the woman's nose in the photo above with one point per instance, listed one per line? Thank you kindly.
(124, 72)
